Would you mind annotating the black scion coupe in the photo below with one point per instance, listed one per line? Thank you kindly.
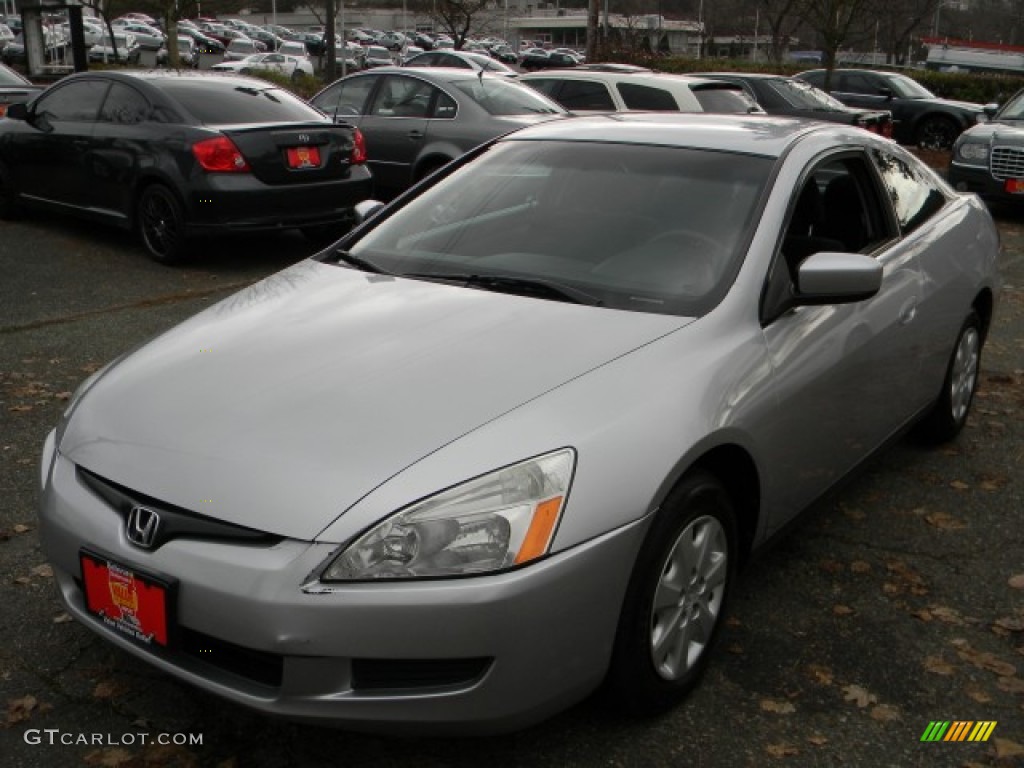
(176, 153)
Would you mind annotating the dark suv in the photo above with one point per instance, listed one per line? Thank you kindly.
(921, 118)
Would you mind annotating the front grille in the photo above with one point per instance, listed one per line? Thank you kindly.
(1008, 162)
(383, 674)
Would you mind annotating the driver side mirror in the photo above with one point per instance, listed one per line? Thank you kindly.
(18, 111)
(887, 92)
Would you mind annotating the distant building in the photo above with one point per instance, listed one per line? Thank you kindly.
(952, 55)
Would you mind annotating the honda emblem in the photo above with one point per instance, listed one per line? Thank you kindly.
(142, 526)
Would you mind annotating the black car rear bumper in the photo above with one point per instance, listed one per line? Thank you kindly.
(241, 202)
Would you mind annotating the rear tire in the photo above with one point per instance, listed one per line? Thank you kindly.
(936, 133)
(949, 414)
(161, 224)
(677, 598)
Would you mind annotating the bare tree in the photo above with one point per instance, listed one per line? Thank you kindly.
(833, 21)
(592, 36)
(782, 18)
(456, 17)
(897, 21)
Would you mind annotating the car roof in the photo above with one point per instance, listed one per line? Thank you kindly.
(756, 134)
(661, 78)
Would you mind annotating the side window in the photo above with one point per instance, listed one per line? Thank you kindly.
(445, 106)
(124, 106)
(347, 97)
(725, 99)
(402, 97)
(817, 79)
(915, 197)
(855, 82)
(426, 60)
(645, 97)
(75, 102)
(583, 95)
(447, 60)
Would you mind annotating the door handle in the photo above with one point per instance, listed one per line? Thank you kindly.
(416, 134)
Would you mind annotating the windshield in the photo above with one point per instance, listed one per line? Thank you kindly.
(803, 95)
(906, 88)
(1013, 109)
(658, 229)
(502, 97)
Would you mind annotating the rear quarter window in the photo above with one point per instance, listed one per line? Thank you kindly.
(724, 99)
(647, 98)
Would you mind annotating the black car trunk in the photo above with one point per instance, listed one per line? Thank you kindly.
(296, 154)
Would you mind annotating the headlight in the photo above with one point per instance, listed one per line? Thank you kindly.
(973, 152)
(505, 518)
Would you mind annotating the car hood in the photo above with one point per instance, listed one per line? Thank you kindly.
(998, 129)
(283, 405)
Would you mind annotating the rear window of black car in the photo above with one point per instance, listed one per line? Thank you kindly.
(235, 102)
(724, 98)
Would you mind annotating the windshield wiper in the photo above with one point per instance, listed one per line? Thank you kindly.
(360, 263)
(522, 286)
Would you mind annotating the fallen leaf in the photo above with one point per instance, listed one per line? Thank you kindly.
(885, 713)
(66, 395)
(44, 571)
(821, 675)
(859, 695)
(959, 485)
(946, 615)
(21, 528)
(944, 521)
(19, 710)
(923, 614)
(733, 622)
(736, 649)
(988, 661)
(20, 408)
(781, 750)
(778, 707)
(831, 566)
(938, 666)
(817, 740)
(1017, 581)
(1007, 748)
(860, 566)
(1010, 623)
(22, 580)
(62, 618)
(1010, 684)
(980, 696)
(108, 758)
(108, 689)
(842, 610)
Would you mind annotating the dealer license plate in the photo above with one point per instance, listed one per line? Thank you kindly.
(138, 605)
(303, 157)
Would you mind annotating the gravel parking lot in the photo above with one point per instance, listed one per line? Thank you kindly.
(897, 602)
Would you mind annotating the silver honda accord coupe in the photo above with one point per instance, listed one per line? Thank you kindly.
(514, 437)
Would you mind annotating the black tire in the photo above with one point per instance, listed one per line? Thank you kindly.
(687, 564)
(161, 224)
(9, 208)
(936, 132)
(949, 414)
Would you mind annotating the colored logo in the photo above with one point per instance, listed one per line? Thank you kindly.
(958, 730)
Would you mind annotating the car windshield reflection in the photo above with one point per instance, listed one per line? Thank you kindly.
(656, 230)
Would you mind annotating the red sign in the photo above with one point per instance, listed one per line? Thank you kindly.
(129, 602)
(303, 157)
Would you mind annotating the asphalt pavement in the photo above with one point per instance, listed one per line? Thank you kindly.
(895, 603)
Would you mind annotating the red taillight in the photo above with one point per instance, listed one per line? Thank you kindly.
(358, 148)
(887, 129)
(220, 155)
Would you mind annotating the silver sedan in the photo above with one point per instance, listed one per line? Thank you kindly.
(514, 437)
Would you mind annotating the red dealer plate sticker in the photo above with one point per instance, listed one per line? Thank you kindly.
(1015, 186)
(135, 604)
(303, 157)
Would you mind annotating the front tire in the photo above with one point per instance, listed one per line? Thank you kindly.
(161, 223)
(950, 412)
(677, 598)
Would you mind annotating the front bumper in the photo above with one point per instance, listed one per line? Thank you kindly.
(480, 654)
(978, 179)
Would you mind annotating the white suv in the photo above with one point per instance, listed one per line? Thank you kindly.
(592, 90)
